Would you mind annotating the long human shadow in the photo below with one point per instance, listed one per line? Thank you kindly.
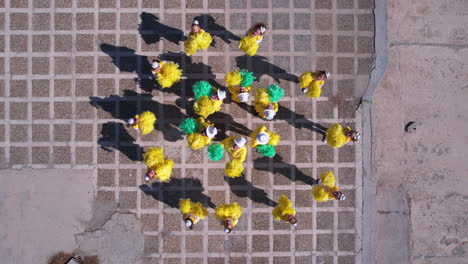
(260, 66)
(240, 187)
(127, 60)
(225, 122)
(277, 165)
(299, 121)
(171, 192)
(114, 135)
(208, 23)
(152, 31)
(169, 116)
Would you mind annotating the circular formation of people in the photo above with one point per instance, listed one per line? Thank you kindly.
(201, 132)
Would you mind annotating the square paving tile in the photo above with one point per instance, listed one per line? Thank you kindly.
(94, 76)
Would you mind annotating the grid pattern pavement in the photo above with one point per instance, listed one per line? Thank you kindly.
(71, 71)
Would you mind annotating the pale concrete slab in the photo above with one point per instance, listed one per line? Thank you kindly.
(421, 187)
(118, 241)
(41, 211)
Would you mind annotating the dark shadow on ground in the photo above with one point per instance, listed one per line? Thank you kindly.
(225, 123)
(277, 165)
(169, 116)
(208, 23)
(171, 192)
(115, 135)
(260, 66)
(241, 187)
(127, 60)
(152, 31)
(299, 121)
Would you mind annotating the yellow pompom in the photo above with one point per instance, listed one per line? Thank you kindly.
(197, 41)
(320, 193)
(328, 179)
(206, 106)
(249, 45)
(336, 136)
(233, 78)
(169, 74)
(314, 90)
(283, 208)
(306, 79)
(164, 170)
(225, 211)
(274, 138)
(146, 122)
(153, 156)
(261, 97)
(197, 141)
(186, 206)
(234, 168)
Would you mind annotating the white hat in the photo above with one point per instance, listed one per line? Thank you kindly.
(147, 178)
(195, 22)
(221, 94)
(262, 138)
(240, 142)
(269, 113)
(243, 97)
(342, 197)
(131, 121)
(262, 29)
(211, 131)
(357, 136)
(155, 64)
(327, 74)
(226, 230)
(188, 223)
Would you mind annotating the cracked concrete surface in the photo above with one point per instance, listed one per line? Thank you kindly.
(421, 177)
(41, 211)
(119, 241)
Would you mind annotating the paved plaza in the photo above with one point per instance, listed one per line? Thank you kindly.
(71, 72)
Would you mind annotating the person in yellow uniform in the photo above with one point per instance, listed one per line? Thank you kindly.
(250, 43)
(192, 212)
(143, 122)
(285, 211)
(265, 141)
(237, 151)
(208, 99)
(228, 215)
(239, 84)
(166, 72)
(337, 135)
(266, 101)
(326, 189)
(199, 132)
(312, 82)
(198, 39)
(158, 167)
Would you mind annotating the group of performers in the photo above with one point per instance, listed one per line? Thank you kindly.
(201, 132)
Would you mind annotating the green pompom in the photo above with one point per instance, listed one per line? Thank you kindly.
(189, 126)
(215, 152)
(247, 78)
(275, 93)
(266, 150)
(202, 88)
